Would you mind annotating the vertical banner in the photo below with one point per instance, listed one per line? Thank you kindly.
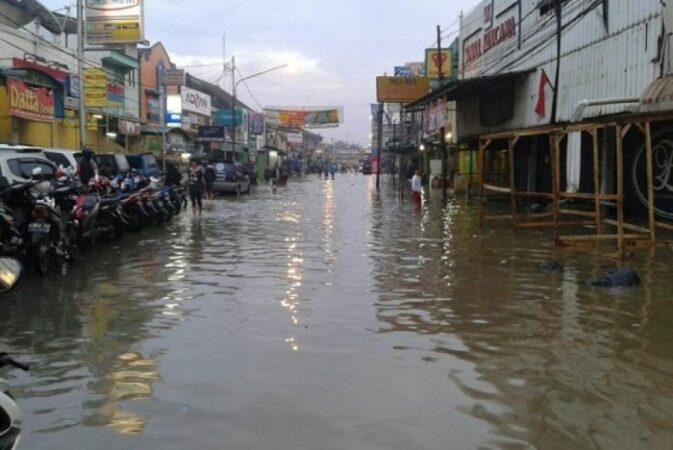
(95, 88)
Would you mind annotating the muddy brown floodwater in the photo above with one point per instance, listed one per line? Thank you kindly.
(326, 316)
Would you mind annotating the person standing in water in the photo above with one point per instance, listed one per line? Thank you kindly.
(195, 183)
(416, 187)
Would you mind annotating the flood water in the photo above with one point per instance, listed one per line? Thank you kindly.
(326, 316)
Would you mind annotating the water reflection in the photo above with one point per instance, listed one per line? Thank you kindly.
(555, 364)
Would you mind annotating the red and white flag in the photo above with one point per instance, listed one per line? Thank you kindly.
(541, 106)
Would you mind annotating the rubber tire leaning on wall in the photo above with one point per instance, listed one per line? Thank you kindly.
(662, 160)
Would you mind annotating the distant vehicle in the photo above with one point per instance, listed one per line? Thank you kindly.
(113, 164)
(250, 171)
(366, 168)
(145, 164)
(230, 178)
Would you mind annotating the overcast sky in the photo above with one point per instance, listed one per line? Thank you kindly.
(334, 48)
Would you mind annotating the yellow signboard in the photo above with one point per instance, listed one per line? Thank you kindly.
(401, 89)
(434, 60)
(95, 88)
(114, 21)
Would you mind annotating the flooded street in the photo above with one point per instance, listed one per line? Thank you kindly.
(326, 316)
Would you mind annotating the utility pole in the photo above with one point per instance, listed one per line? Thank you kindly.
(379, 144)
(442, 130)
(233, 109)
(80, 74)
(559, 25)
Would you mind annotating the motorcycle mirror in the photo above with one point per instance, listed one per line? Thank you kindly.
(10, 273)
(37, 171)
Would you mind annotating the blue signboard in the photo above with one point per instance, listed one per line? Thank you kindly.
(173, 120)
(228, 118)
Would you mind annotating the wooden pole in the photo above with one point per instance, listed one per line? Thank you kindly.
(556, 174)
(620, 192)
(650, 181)
(597, 180)
(512, 184)
(482, 150)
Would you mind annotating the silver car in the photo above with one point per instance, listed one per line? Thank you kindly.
(228, 179)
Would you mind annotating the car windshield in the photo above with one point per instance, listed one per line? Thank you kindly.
(224, 167)
(58, 158)
(150, 162)
(122, 162)
(23, 167)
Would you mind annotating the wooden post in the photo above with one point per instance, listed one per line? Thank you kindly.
(620, 192)
(556, 182)
(512, 184)
(597, 180)
(650, 181)
(482, 150)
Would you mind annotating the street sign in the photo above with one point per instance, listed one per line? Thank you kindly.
(228, 118)
(173, 77)
(211, 134)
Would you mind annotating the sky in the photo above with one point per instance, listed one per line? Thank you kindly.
(334, 48)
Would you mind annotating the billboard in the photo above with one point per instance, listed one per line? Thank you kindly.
(114, 22)
(195, 101)
(257, 123)
(173, 77)
(434, 60)
(401, 89)
(305, 117)
(228, 118)
(30, 102)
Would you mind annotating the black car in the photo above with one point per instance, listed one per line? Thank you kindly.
(230, 178)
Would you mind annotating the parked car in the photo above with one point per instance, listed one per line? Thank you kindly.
(145, 164)
(230, 178)
(113, 164)
(27, 149)
(18, 167)
(251, 172)
(62, 157)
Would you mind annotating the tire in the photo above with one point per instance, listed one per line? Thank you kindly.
(662, 149)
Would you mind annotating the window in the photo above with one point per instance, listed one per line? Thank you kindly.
(58, 159)
(547, 6)
(23, 167)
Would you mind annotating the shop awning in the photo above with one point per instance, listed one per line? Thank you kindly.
(658, 96)
(457, 89)
(121, 62)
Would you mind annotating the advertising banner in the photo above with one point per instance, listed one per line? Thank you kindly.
(305, 117)
(257, 123)
(173, 120)
(115, 97)
(114, 22)
(417, 68)
(30, 102)
(228, 118)
(95, 88)
(435, 60)
(195, 101)
(434, 116)
(401, 89)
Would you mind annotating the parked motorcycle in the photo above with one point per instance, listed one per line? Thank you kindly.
(10, 414)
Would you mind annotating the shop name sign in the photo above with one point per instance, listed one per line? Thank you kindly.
(29, 102)
(114, 21)
(195, 101)
(490, 38)
(401, 89)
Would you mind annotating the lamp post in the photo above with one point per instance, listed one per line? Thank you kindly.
(233, 104)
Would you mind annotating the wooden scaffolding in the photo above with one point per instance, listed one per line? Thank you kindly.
(626, 234)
